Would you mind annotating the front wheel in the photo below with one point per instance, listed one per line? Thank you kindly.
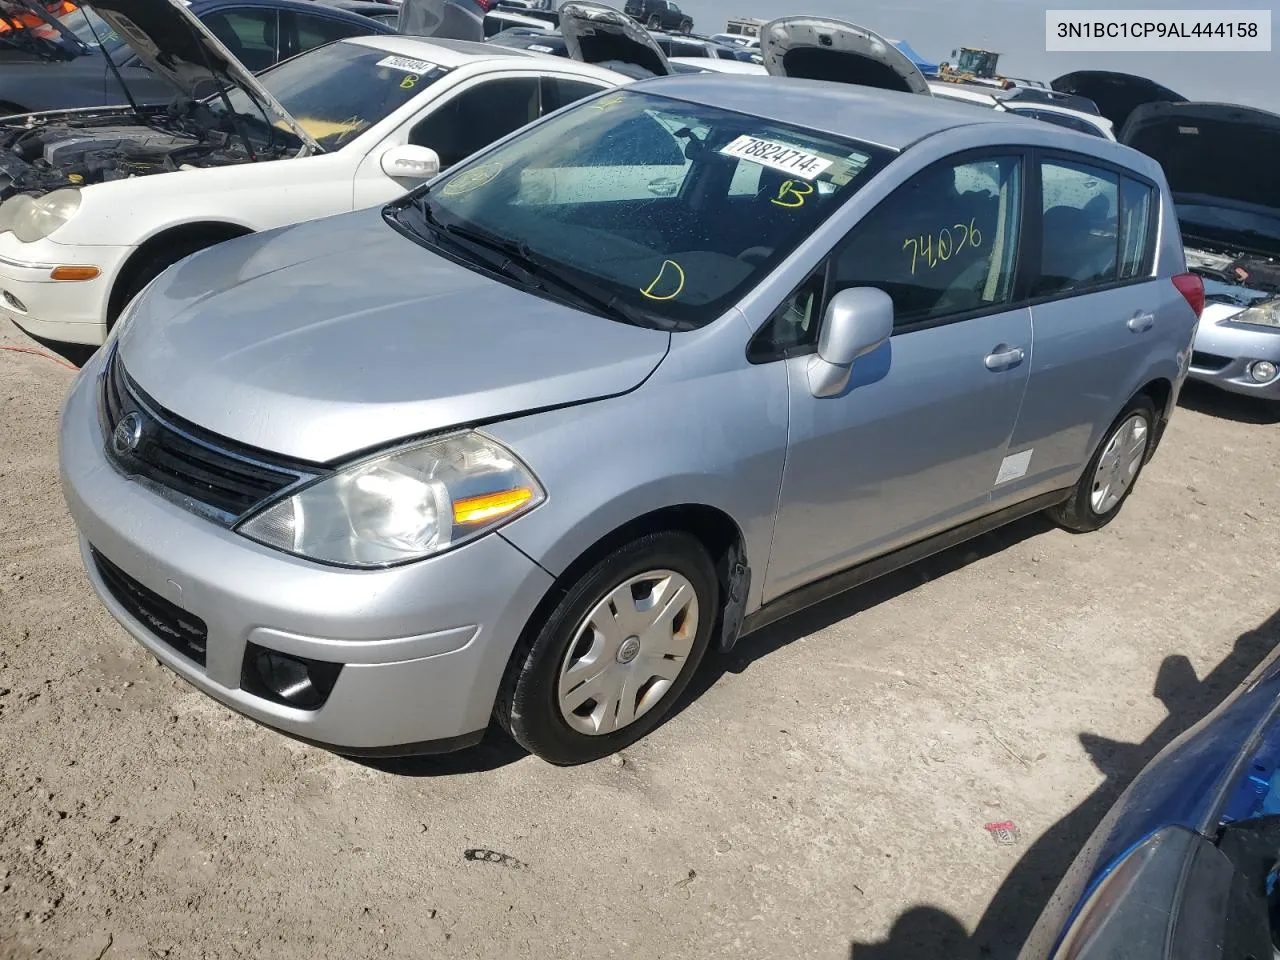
(655, 22)
(615, 653)
(1113, 470)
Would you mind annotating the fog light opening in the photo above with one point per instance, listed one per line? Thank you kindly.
(1264, 371)
(14, 302)
(285, 679)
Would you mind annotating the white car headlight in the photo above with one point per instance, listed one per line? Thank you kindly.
(405, 505)
(34, 218)
(1264, 314)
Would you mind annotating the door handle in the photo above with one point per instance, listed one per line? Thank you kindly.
(1141, 322)
(1004, 356)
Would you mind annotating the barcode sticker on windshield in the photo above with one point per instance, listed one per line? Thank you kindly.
(407, 64)
(777, 155)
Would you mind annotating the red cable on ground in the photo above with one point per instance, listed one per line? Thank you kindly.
(41, 353)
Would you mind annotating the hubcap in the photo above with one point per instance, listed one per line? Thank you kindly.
(1119, 464)
(627, 652)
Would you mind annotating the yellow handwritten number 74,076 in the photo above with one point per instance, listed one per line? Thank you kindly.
(931, 249)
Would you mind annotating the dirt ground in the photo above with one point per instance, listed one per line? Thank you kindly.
(824, 793)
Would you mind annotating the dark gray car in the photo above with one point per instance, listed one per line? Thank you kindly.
(69, 67)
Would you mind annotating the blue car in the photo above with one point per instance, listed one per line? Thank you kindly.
(64, 65)
(1187, 861)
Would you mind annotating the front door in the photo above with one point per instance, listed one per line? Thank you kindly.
(916, 442)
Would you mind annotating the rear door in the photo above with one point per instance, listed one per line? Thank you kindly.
(1097, 311)
(915, 445)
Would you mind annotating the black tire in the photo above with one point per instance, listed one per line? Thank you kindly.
(686, 26)
(527, 706)
(655, 22)
(1077, 514)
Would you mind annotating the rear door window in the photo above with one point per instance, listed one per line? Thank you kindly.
(559, 92)
(1080, 228)
(944, 243)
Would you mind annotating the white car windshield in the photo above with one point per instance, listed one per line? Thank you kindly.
(338, 91)
(669, 209)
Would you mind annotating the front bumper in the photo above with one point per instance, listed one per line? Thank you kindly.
(67, 311)
(423, 646)
(1224, 353)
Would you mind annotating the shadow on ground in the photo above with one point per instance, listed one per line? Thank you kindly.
(926, 933)
(1213, 402)
(498, 750)
(757, 646)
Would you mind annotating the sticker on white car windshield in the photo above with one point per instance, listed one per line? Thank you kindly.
(770, 153)
(540, 48)
(407, 64)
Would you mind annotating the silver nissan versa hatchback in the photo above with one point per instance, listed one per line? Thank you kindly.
(642, 377)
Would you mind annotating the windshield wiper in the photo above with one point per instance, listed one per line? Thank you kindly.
(522, 265)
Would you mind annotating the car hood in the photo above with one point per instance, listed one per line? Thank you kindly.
(600, 34)
(339, 335)
(1116, 94)
(175, 45)
(1214, 152)
(814, 48)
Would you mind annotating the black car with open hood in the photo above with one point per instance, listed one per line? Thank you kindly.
(1116, 94)
(1220, 160)
(816, 48)
(78, 59)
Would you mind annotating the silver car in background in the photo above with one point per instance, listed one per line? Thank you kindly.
(643, 377)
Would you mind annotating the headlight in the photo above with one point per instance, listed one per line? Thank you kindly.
(34, 218)
(405, 505)
(1264, 314)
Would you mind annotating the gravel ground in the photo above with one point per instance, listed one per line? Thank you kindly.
(822, 794)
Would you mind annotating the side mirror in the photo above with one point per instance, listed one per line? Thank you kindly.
(410, 162)
(857, 321)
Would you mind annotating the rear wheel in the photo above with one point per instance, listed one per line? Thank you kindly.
(686, 26)
(616, 652)
(1113, 470)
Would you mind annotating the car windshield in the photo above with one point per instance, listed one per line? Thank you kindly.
(91, 30)
(337, 91)
(670, 209)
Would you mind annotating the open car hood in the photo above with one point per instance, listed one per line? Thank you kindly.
(169, 39)
(815, 48)
(1116, 94)
(597, 33)
(1222, 152)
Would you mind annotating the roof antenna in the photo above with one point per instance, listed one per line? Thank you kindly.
(115, 71)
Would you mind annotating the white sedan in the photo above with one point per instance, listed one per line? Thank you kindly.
(89, 220)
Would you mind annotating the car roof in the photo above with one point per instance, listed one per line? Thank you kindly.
(447, 53)
(885, 117)
(459, 53)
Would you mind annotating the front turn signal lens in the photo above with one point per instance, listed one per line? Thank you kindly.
(75, 273)
(490, 506)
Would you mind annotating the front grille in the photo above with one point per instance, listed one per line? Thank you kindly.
(185, 460)
(1208, 361)
(182, 631)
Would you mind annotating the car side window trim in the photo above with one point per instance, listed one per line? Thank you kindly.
(1033, 215)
